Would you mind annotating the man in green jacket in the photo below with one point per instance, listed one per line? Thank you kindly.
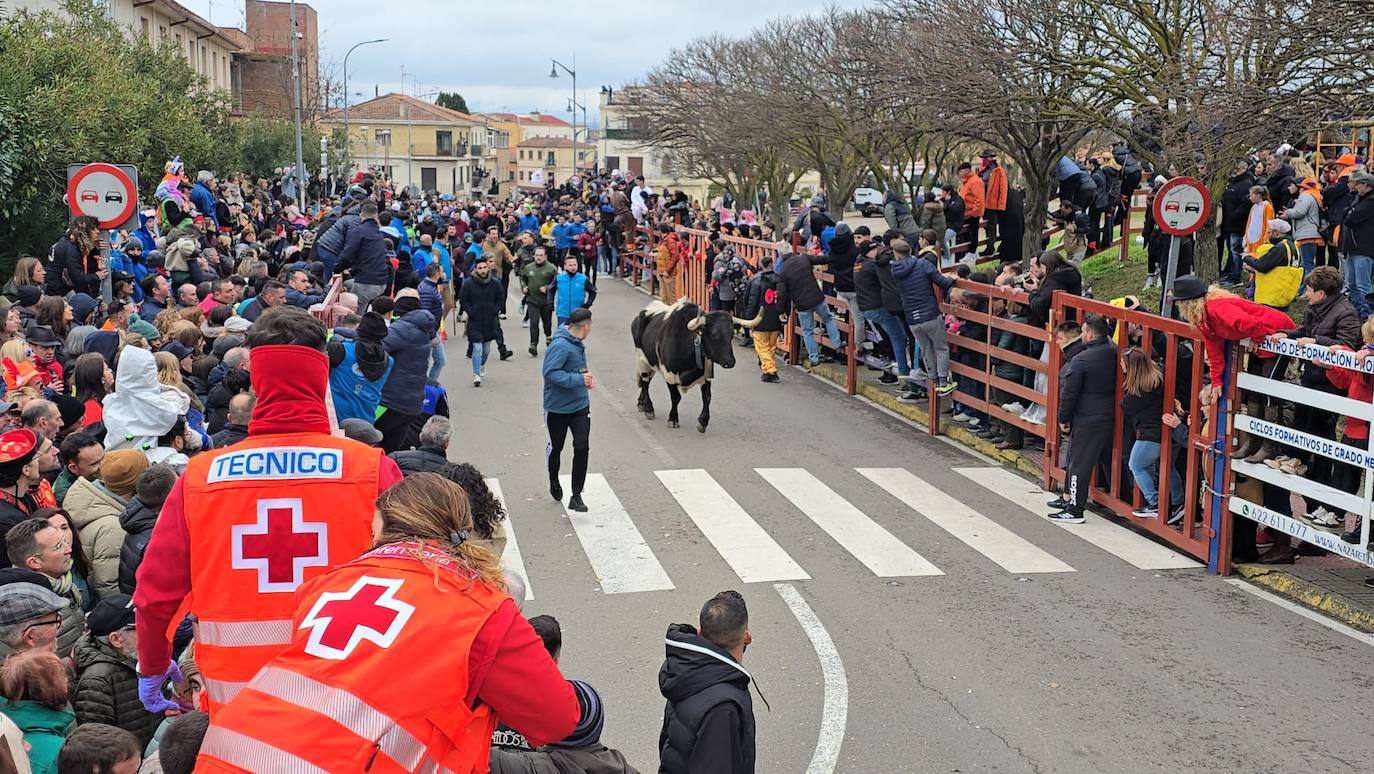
(535, 279)
(106, 661)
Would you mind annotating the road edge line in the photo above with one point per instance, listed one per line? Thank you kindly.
(835, 710)
(1294, 607)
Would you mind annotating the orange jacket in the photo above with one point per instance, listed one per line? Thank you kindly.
(385, 673)
(669, 254)
(972, 192)
(996, 195)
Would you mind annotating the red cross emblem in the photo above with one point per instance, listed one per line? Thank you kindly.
(369, 610)
(280, 545)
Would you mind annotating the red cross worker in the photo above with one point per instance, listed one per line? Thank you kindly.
(246, 525)
(401, 660)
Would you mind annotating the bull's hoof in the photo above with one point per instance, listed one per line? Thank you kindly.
(673, 424)
(648, 413)
(701, 428)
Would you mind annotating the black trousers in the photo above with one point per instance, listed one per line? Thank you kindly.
(580, 423)
(539, 313)
(1091, 440)
(396, 429)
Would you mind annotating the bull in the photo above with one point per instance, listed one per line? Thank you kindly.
(684, 344)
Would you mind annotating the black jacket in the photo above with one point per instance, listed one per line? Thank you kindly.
(1066, 279)
(843, 254)
(230, 435)
(1278, 184)
(481, 300)
(233, 382)
(1235, 203)
(426, 459)
(137, 520)
(364, 254)
(766, 292)
(876, 288)
(708, 722)
(1087, 387)
(66, 268)
(1145, 412)
(107, 690)
(1357, 229)
(1337, 198)
(799, 277)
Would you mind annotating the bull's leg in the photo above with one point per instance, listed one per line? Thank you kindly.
(645, 404)
(705, 418)
(676, 395)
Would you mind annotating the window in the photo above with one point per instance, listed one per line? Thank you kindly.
(143, 25)
(581, 155)
(384, 137)
(522, 155)
(443, 143)
(612, 162)
(552, 162)
(636, 165)
(429, 178)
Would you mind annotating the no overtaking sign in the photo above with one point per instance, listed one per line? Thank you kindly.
(106, 192)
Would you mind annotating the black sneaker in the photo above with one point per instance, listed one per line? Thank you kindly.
(1369, 582)
(506, 354)
(769, 378)
(887, 378)
(1067, 517)
(534, 351)
(575, 504)
(1176, 517)
(1058, 504)
(911, 397)
(555, 489)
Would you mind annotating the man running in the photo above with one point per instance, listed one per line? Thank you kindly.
(567, 404)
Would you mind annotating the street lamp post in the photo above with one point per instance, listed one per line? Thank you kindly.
(348, 139)
(572, 105)
(553, 73)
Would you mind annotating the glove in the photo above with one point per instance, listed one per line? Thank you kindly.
(150, 690)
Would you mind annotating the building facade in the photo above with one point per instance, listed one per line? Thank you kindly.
(261, 72)
(543, 160)
(418, 144)
(624, 145)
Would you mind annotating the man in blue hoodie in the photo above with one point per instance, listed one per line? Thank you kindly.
(203, 197)
(916, 280)
(567, 403)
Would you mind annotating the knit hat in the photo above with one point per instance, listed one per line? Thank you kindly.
(110, 614)
(82, 308)
(405, 304)
(28, 294)
(407, 293)
(591, 719)
(226, 342)
(372, 327)
(1189, 287)
(121, 469)
(360, 431)
(144, 329)
(237, 324)
(71, 409)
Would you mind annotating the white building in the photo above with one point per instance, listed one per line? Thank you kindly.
(624, 147)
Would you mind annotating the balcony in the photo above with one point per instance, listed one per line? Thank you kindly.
(626, 134)
(476, 150)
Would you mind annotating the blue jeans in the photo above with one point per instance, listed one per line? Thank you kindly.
(437, 360)
(480, 351)
(1357, 269)
(1308, 253)
(804, 319)
(896, 332)
(1235, 247)
(1144, 466)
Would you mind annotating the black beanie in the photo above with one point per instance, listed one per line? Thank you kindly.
(372, 327)
(405, 304)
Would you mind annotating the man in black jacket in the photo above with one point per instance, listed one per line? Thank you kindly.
(1235, 209)
(432, 454)
(798, 276)
(708, 722)
(364, 256)
(1357, 241)
(1087, 405)
(765, 293)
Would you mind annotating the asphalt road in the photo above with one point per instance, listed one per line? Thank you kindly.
(1105, 668)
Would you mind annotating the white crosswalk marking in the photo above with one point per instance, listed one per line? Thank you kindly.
(987, 537)
(511, 558)
(623, 562)
(746, 547)
(1116, 540)
(860, 535)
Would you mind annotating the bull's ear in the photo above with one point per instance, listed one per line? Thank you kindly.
(695, 324)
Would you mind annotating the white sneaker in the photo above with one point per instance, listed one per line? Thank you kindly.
(1326, 519)
(476, 380)
(1013, 408)
(962, 417)
(524, 323)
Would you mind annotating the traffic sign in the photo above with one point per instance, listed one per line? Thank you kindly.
(106, 192)
(1182, 206)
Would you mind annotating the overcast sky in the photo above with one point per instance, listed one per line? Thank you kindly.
(496, 54)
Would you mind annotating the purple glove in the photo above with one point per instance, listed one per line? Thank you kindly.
(150, 690)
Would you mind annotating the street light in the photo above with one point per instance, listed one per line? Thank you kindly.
(348, 141)
(572, 105)
(553, 73)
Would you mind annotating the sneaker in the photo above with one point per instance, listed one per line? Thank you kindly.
(555, 489)
(912, 397)
(1277, 462)
(476, 380)
(1146, 512)
(1058, 504)
(946, 388)
(887, 379)
(503, 315)
(961, 416)
(1176, 518)
(1013, 408)
(769, 378)
(1352, 537)
(524, 323)
(534, 350)
(1067, 517)
(1326, 520)
(575, 503)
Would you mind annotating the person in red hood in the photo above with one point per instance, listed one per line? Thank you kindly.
(246, 525)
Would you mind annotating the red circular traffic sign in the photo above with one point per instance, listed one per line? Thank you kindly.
(104, 192)
(1182, 206)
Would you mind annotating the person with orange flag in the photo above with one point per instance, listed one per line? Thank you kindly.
(427, 602)
(246, 525)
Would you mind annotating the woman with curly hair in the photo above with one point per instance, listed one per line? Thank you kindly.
(487, 511)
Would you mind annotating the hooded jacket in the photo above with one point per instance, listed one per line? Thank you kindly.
(916, 279)
(481, 299)
(565, 392)
(137, 521)
(843, 254)
(107, 690)
(708, 721)
(358, 369)
(764, 292)
(1087, 387)
(408, 343)
(875, 286)
(797, 274)
(138, 412)
(1235, 203)
(898, 216)
(933, 216)
(581, 751)
(95, 512)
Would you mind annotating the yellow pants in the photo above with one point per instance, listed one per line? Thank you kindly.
(667, 288)
(766, 347)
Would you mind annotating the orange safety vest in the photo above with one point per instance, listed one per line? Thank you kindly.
(375, 678)
(264, 516)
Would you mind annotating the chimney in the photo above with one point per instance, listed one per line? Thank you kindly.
(376, 91)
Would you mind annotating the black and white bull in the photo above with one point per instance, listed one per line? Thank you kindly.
(684, 344)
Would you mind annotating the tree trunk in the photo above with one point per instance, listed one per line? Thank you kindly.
(1037, 205)
(1206, 263)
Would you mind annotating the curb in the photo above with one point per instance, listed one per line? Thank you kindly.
(917, 413)
(1309, 594)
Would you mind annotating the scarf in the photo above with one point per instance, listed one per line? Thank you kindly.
(290, 383)
(65, 586)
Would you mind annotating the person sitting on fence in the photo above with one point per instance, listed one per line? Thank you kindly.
(1142, 407)
(1077, 231)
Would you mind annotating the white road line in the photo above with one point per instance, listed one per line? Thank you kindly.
(861, 536)
(1013, 552)
(742, 543)
(835, 711)
(623, 562)
(511, 558)
(1118, 541)
(1311, 615)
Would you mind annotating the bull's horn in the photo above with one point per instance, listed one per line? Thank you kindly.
(750, 323)
(696, 322)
